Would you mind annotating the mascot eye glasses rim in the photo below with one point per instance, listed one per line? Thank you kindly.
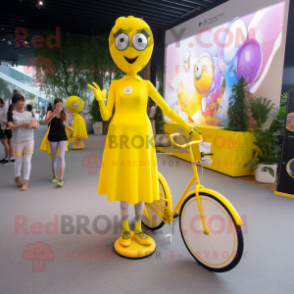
(77, 104)
(139, 40)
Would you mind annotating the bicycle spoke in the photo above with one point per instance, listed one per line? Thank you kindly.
(196, 238)
(215, 236)
(147, 215)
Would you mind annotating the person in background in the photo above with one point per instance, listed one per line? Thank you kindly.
(57, 138)
(5, 135)
(30, 108)
(22, 123)
(152, 116)
(49, 108)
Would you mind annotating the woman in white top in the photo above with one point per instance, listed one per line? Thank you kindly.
(5, 135)
(22, 123)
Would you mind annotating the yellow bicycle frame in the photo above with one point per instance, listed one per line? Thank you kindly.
(199, 188)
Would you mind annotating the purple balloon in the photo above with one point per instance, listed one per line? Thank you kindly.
(249, 60)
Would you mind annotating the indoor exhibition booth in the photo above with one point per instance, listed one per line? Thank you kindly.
(219, 96)
(233, 54)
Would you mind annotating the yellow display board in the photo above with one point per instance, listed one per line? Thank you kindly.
(231, 149)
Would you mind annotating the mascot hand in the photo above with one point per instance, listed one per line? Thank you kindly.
(99, 95)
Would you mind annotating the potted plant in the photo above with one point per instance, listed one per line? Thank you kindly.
(94, 111)
(237, 112)
(267, 151)
(260, 109)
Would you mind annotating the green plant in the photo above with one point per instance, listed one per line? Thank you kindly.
(268, 143)
(94, 111)
(238, 118)
(66, 71)
(267, 149)
(284, 99)
(159, 121)
(260, 109)
(5, 92)
(282, 112)
(277, 126)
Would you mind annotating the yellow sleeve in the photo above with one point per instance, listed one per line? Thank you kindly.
(106, 111)
(156, 97)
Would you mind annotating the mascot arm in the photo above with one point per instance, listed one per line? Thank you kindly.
(156, 97)
(106, 111)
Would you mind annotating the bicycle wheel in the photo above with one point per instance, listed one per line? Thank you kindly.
(220, 250)
(152, 218)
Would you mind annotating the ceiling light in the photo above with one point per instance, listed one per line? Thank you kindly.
(9, 42)
(40, 4)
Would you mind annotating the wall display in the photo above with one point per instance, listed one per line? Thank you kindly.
(207, 55)
(286, 175)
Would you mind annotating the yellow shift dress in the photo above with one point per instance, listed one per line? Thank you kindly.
(129, 166)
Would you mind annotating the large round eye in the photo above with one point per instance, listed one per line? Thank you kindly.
(198, 71)
(76, 105)
(122, 41)
(140, 41)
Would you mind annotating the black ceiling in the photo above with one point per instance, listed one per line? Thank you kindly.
(82, 16)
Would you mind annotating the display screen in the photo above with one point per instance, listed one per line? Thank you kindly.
(201, 70)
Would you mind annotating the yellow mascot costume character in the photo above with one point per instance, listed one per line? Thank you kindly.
(129, 166)
(75, 105)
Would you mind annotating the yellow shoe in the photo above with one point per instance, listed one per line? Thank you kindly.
(60, 183)
(54, 180)
(125, 239)
(143, 239)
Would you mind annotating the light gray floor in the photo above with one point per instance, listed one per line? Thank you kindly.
(266, 268)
